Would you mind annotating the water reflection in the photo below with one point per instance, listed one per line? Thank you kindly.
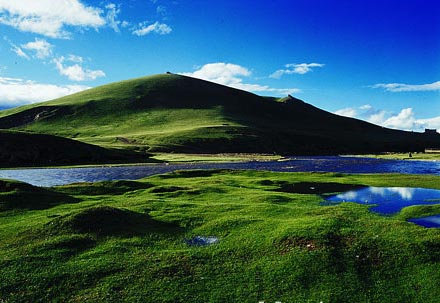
(388, 200)
(432, 221)
(201, 241)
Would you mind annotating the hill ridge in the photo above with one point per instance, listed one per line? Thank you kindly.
(177, 113)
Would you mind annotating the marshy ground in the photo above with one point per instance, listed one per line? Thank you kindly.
(131, 241)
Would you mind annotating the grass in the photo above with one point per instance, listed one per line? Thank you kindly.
(405, 156)
(176, 114)
(179, 158)
(126, 241)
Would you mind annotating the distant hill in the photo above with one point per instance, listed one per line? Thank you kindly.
(174, 113)
(24, 149)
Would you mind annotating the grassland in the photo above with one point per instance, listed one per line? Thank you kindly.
(127, 241)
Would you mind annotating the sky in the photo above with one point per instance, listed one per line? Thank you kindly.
(373, 60)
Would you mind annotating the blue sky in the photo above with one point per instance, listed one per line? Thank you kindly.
(371, 59)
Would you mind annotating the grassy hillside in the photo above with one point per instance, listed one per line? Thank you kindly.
(173, 113)
(136, 241)
(26, 149)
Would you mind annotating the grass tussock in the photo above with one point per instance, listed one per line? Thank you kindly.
(17, 195)
(109, 221)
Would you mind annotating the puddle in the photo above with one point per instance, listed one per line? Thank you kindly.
(201, 241)
(429, 222)
(387, 200)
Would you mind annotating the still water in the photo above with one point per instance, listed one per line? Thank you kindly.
(429, 222)
(388, 200)
(59, 176)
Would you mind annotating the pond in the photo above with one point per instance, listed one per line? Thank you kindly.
(387, 200)
(201, 241)
(60, 176)
(391, 200)
(429, 222)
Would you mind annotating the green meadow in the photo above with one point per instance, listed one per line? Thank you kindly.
(130, 241)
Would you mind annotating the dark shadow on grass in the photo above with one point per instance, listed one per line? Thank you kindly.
(19, 195)
(103, 188)
(110, 221)
(167, 189)
(65, 246)
(317, 188)
(195, 173)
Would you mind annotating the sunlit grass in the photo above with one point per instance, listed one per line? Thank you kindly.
(125, 241)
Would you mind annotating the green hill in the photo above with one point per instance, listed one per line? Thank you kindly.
(25, 149)
(174, 113)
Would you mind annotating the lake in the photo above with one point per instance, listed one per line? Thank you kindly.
(60, 176)
(391, 200)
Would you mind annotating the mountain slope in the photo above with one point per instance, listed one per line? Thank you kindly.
(175, 113)
(25, 149)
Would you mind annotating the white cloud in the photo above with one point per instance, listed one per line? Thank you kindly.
(112, 15)
(223, 73)
(49, 18)
(19, 52)
(347, 112)
(41, 47)
(400, 87)
(301, 69)
(75, 58)
(405, 119)
(76, 72)
(431, 122)
(366, 107)
(15, 92)
(377, 118)
(157, 28)
(231, 75)
(162, 10)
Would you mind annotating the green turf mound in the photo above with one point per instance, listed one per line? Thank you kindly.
(110, 221)
(103, 188)
(19, 195)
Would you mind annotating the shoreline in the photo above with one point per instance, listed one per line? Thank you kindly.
(166, 159)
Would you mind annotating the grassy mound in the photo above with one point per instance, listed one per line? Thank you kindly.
(110, 221)
(103, 188)
(19, 195)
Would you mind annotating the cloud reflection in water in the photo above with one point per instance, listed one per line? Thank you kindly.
(388, 200)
